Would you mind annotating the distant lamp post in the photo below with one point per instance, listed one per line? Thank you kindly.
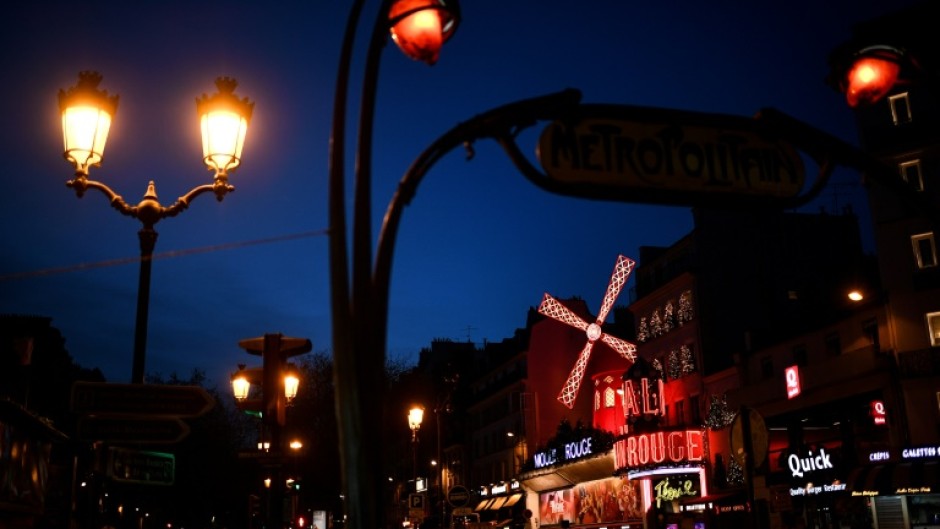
(87, 113)
(415, 416)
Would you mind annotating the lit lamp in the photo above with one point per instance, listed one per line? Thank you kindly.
(415, 415)
(420, 27)
(87, 113)
(291, 383)
(873, 74)
(241, 386)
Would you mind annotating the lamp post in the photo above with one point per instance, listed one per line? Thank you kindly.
(87, 113)
(415, 416)
(359, 293)
(279, 384)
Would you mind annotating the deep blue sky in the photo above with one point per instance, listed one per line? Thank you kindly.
(477, 247)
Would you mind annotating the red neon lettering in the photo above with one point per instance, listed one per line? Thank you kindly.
(658, 448)
(630, 407)
(655, 448)
(695, 445)
(676, 448)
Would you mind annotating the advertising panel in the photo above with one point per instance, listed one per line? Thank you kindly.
(602, 501)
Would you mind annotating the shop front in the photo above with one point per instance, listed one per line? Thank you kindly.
(899, 484)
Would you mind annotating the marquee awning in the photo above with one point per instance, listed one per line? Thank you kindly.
(895, 479)
(512, 500)
(483, 504)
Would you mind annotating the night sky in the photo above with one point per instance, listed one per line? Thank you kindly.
(479, 244)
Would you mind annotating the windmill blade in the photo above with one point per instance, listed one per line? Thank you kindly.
(618, 279)
(570, 390)
(555, 310)
(625, 348)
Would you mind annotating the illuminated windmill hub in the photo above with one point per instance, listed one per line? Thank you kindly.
(553, 309)
(593, 332)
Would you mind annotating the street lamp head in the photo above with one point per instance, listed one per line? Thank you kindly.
(291, 384)
(223, 118)
(86, 119)
(241, 385)
(415, 415)
(421, 27)
(872, 75)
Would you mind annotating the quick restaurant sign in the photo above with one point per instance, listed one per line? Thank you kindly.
(669, 156)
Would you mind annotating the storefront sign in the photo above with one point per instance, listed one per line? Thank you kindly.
(645, 400)
(682, 446)
(878, 412)
(673, 488)
(801, 466)
(921, 452)
(571, 451)
(792, 376)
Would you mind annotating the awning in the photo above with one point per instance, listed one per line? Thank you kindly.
(895, 479)
(497, 503)
(512, 500)
(482, 505)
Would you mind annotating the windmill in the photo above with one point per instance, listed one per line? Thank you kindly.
(555, 310)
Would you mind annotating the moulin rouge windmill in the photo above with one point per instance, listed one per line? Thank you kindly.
(555, 310)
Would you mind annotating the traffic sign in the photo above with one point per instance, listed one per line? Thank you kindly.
(458, 496)
(142, 399)
(140, 466)
(132, 429)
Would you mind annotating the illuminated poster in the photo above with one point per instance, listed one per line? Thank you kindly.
(602, 501)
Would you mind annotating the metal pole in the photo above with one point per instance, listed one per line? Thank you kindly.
(148, 240)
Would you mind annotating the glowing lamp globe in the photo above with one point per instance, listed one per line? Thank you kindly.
(240, 386)
(415, 416)
(291, 385)
(869, 80)
(86, 120)
(223, 119)
(420, 27)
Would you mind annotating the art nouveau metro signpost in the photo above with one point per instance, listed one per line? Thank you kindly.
(641, 154)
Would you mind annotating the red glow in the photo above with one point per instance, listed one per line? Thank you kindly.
(869, 80)
(419, 35)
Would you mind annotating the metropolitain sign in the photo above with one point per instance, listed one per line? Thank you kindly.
(655, 448)
(653, 155)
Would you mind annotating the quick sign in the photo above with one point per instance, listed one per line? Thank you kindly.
(666, 156)
(878, 415)
(792, 377)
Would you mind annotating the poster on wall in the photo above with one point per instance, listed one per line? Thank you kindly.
(601, 501)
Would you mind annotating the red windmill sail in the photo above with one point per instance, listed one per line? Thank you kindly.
(553, 309)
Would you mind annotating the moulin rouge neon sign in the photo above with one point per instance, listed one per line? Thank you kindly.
(680, 446)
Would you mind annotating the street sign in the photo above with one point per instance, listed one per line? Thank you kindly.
(653, 155)
(140, 466)
(458, 496)
(132, 429)
(416, 501)
(140, 399)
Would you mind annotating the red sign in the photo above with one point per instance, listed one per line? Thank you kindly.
(878, 412)
(680, 446)
(792, 375)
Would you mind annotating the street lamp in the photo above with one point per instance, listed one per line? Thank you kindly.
(87, 113)
(415, 416)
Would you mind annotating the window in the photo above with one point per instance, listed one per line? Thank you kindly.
(911, 173)
(680, 413)
(925, 250)
(799, 355)
(766, 367)
(933, 326)
(900, 108)
(833, 344)
(610, 397)
(696, 411)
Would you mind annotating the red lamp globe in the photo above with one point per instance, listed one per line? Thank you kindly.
(420, 27)
(870, 79)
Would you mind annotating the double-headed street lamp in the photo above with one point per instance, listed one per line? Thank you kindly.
(87, 113)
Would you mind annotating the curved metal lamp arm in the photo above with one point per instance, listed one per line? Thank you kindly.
(502, 124)
(81, 183)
